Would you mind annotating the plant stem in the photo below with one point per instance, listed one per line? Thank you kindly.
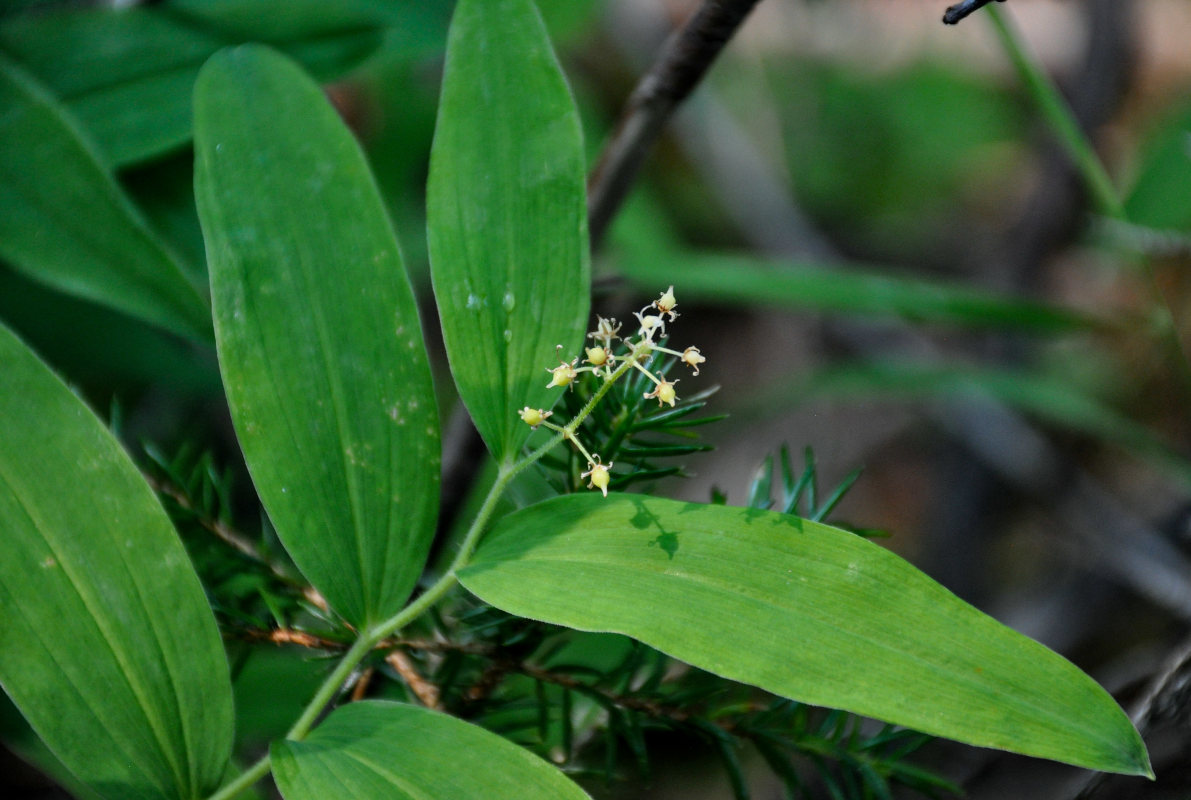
(371, 637)
(248, 777)
(1058, 114)
(955, 13)
(331, 685)
(1061, 118)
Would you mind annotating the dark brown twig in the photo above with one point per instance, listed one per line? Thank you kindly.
(225, 533)
(500, 667)
(645, 705)
(233, 538)
(679, 67)
(314, 642)
(426, 692)
(360, 690)
(955, 13)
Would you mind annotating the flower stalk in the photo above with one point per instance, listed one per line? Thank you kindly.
(604, 362)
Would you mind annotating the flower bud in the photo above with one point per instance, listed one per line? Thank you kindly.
(664, 392)
(564, 374)
(596, 356)
(533, 417)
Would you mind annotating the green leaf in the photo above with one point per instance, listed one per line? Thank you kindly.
(21, 740)
(127, 74)
(65, 222)
(887, 158)
(108, 646)
(507, 217)
(802, 610)
(1159, 198)
(327, 39)
(375, 750)
(318, 333)
(851, 289)
(291, 21)
(99, 347)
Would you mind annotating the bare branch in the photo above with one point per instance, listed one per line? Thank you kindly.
(679, 67)
(955, 13)
(426, 692)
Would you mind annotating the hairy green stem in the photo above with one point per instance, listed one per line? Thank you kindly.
(370, 638)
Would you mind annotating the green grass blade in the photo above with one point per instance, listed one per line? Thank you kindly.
(507, 217)
(803, 610)
(319, 339)
(108, 646)
(849, 289)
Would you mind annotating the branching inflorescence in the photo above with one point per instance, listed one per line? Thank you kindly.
(605, 362)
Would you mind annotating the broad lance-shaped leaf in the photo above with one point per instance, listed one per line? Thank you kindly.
(65, 222)
(506, 216)
(107, 645)
(375, 750)
(319, 340)
(803, 610)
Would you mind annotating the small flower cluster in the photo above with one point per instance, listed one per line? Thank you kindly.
(603, 362)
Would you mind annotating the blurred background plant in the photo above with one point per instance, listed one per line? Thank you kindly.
(900, 257)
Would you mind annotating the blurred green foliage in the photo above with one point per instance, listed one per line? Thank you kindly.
(890, 157)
